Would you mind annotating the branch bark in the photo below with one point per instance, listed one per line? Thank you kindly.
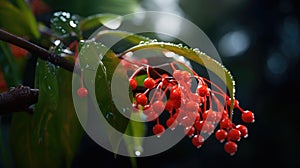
(18, 99)
(39, 51)
(22, 97)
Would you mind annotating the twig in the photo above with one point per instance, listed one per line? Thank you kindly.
(39, 51)
(18, 99)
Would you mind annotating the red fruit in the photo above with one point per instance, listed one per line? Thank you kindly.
(209, 115)
(164, 80)
(235, 103)
(198, 141)
(192, 106)
(149, 83)
(198, 125)
(158, 130)
(248, 117)
(133, 84)
(82, 92)
(221, 135)
(243, 129)
(226, 123)
(171, 123)
(151, 116)
(203, 91)
(189, 131)
(230, 147)
(169, 106)
(234, 134)
(147, 109)
(177, 74)
(158, 106)
(186, 76)
(208, 127)
(175, 94)
(141, 99)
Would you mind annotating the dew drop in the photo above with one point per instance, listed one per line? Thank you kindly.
(62, 18)
(72, 24)
(87, 66)
(137, 153)
(196, 50)
(49, 87)
(142, 42)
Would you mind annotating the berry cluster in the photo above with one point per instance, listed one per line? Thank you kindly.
(190, 102)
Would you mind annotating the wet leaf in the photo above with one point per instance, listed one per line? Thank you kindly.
(51, 135)
(99, 20)
(65, 24)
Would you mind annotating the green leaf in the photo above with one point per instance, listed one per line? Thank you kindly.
(90, 7)
(99, 74)
(65, 24)
(199, 57)
(51, 135)
(129, 37)
(18, 19)
(105, 69)
(98, 20)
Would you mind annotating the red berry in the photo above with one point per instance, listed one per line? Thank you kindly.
(164, 80)
(158, 106)
(230, 147)
(158, 130)
(198, 141)
(203, 91)
(248, 117)
(141, 99)
(147, 109)
(171, 123)
(198, 125)
(208, 127)
(226, 123)
(189, 131)
(82, 92)
(221, 135)
(133, 84)
(175, 94)
(186, 121)
(151, 116)
(235, 103)
(149, 83)
(186, 76)
(169, 106)
(209, 115)
(243, 129)
(234, 134)
(192, 106)
(177, 74)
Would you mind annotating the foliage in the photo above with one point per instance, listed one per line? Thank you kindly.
(52, 134)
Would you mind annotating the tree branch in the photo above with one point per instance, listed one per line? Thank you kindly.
(21, 98)
(39, 51)
(18, 99)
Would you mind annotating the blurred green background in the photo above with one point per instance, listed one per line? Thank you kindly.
(258, 41)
